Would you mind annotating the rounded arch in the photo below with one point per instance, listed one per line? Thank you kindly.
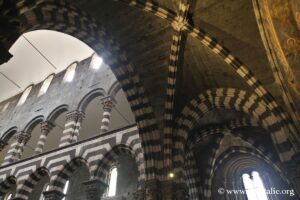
(60, 176)
(8, 134)
(233, 99)
(111, 157)
(89, 97)
(35, 121)
(63, 17)
(25, 188)
(245, 160)
(56, 112)
(114, 89)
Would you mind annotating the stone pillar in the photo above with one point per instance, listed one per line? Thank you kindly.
(46, 127)
(108, 103)
(71, 127)
(16, 148)
(80, 118)
(53, 195)
(94, 189)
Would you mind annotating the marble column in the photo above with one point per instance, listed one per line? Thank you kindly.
(46, 127)
(94, 189)
(108, 103)
(72, 126)
(16, 148)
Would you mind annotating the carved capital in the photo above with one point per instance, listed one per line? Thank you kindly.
(22, 137)
(47, 126)
(75, 116)
(108, 103)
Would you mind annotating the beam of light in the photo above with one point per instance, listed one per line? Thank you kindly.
(96, 62)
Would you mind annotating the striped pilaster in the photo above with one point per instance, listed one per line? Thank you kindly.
(71, 127)
(45, 129)
(16, 148)
(108, 103)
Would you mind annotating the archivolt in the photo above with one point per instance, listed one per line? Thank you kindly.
(236, 100)
(60, 16)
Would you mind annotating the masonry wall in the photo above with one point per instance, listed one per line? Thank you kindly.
(59, 93)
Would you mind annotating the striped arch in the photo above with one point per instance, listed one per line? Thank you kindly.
(7, 184)
(192, 177)
(59, 16)
(60, 174)
(89, 97)
(9, 134)
(34, 122)
(225, 129)
(236, 100)
(111, 157)
(221, 51)
(25, 187)
(249, 151)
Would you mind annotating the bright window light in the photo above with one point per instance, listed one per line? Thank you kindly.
(9, 197)
(24, 95)
(254, 186)
(45, 85)
(46, 188)
(66, 189)
(96, 62)
(70, 73)
(112, 182)
(5, 107)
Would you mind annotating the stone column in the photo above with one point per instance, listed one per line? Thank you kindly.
(53, 195)
(16, 148)
(94, 189)
(71, 127)
(108, 103)
(46, 127)
(80, 118)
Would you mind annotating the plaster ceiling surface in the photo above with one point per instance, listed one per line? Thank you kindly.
(36, 55)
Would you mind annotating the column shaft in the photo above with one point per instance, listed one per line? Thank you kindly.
(94, 189)
(45, 129)
(108, 103)
(71, 127)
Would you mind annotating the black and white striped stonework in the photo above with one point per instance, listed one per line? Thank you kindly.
(45, 129)
(16, 148)
(97, 153)
(60, 16)
(108, 104)
(72, 126)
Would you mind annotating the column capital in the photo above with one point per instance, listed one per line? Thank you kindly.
(94, 189)
(22, 137)
(53, 195)
(108, 102)
(75, 115)
(47, 126)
